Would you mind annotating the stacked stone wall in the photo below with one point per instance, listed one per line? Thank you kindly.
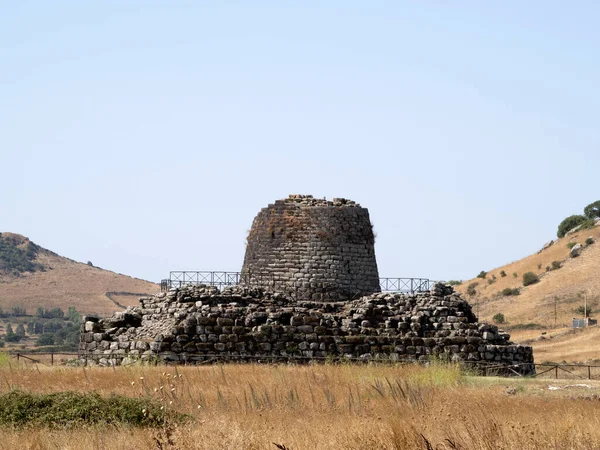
(201, 323)
(313, 249)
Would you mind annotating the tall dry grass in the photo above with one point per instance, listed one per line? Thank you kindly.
(318, 407)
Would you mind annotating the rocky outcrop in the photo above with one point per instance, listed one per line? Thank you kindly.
(200, 323)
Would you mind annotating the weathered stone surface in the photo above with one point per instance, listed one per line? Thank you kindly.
(576, 250)
(312, 249)
(400, 326)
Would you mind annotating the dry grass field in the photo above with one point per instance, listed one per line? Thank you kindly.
(319, 407)
(70, 283)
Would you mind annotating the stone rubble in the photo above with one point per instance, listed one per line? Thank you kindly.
(200, 323)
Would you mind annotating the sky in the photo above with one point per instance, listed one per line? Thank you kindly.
(144, 136)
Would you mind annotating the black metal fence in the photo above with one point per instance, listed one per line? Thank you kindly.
(220, 280)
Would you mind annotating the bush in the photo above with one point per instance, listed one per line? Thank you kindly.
(515, 274)
(529, 278)
(582, 310)
(502, 273)
(569, 223)
(454, 282)
(556, 265)
(45, 339)
(589, 241)
(592, 210)
(499, 318)
(570, 245)
(471, 289)
(510, 291)
(548, 268)
(61, 409)
(482, 274)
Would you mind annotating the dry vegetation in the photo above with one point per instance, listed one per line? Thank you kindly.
(320, 406)
(565, 288)
(69, 283)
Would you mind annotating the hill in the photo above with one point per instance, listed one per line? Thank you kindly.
(33, 277)
(548, 305)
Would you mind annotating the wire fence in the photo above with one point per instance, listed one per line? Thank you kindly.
(542, 370)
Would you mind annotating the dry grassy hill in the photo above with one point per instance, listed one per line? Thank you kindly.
(61, 282)
(549, 305)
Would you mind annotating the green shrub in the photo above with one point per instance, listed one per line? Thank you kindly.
(471, 289)
(570, 245)
(455, 282)
(515, 274)
(45, 339)
(569, 223)
(510, 291)
(556, 265)
(539, 265)
(72, 409)
(498, 318)
(502, 273)
(582, 310)
(491, 280)
(592, 210)
(589, 241)
(529, 278)
(482, 274)
(548, 268)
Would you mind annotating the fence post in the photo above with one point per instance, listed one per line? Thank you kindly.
(556, 372)
(52, 358)
(589, 373)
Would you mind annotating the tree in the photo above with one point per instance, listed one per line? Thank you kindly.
(73, 315)
(569, 223)
(592, 210)
(45, 339)
(20, 330)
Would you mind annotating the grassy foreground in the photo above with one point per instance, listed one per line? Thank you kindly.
(317, 407)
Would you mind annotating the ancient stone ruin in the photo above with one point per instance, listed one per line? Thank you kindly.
(313, 249)
(197, 323)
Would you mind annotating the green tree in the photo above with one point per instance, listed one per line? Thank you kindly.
(569, 223)
(20, 330)
(592, 210)
(73, 315)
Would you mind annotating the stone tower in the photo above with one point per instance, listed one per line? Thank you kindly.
(313, 249)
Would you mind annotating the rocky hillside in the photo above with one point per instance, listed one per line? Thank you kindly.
(32, 277)
(539, 295)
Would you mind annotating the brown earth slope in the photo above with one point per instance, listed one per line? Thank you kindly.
(64, 282)
(549, 305)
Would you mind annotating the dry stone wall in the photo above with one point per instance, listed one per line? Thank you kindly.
(313, 249)
(200, 323)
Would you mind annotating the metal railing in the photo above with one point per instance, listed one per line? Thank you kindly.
(180, 278)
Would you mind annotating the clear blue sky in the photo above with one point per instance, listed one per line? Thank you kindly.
(144, 136)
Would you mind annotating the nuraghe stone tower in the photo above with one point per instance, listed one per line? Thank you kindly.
(323, 253)
(313, 249)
